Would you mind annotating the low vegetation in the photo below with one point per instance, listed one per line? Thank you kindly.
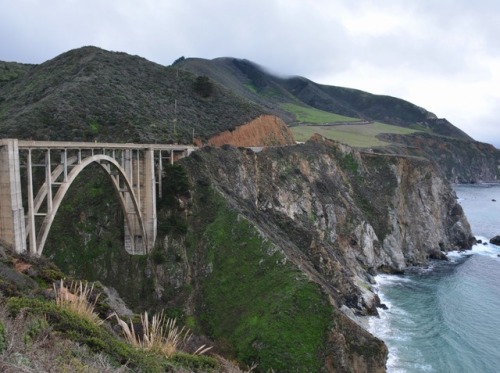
(262, 308)
(76, 298)
(305, 114)
(60, 330)
(356, 135)
(160, 335)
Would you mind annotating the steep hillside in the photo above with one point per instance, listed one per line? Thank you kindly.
(92, 94)
(269, 254)
(300, 101)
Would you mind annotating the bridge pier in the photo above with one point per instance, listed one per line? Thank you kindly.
(12, 224)
(141, 171)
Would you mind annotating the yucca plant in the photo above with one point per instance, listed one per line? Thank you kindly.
(76, 298)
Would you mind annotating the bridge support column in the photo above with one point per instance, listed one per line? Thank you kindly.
(12, 224)
(148, 197)
(134, 235)
(140, 169)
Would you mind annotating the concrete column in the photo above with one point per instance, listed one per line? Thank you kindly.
(148, 195)
(12, 224)
(133, 237)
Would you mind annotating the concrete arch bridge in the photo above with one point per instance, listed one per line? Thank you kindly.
(27, 209)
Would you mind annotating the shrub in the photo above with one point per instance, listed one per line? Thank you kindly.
(203, 86)
(36, 327)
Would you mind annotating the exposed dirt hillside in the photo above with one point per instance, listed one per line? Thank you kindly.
(266, 130)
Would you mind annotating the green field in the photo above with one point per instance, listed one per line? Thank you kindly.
(357, 135)
(310, 115)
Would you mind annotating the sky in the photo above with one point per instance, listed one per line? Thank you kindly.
(442, 55)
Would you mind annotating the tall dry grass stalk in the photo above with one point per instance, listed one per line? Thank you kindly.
(160, 335)
(76, 298)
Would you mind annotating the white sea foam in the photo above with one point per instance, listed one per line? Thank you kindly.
(484, 248)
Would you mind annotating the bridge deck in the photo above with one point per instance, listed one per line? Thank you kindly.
(28, 144)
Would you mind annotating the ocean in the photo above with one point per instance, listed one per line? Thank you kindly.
(445, 317)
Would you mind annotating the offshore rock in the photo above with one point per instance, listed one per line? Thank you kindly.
(495, 240)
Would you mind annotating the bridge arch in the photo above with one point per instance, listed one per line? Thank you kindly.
(127, 198)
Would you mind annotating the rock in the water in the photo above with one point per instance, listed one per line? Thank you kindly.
(438, 255)
(479, 241)
(495, 240)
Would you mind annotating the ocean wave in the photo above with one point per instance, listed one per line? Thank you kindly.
(484, 248)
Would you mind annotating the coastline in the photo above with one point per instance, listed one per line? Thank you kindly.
(446, 304)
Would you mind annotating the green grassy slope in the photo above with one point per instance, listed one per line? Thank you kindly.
(356, 135)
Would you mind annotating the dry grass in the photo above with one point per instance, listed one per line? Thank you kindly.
(76, 298)
(228, 366)
(32, 347)
(160, 335)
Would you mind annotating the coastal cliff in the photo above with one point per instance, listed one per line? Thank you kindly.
(270, 253)
(460, 161)
(393, 210)
(336, 215)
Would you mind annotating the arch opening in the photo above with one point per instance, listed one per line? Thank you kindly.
(123, 190)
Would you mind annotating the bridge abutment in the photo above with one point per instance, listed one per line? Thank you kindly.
(12, 221)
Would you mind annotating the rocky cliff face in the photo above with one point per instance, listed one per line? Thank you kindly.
(380, 210)
(338, 216)
(266, 130)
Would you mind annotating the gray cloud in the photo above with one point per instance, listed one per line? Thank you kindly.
(424, 51)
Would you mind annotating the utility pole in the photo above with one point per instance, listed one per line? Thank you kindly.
(175, 118)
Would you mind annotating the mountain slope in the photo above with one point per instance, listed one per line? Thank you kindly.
(93, 94)
(254, 83)
(322, 108)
